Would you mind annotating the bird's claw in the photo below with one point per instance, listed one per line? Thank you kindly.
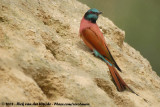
(95, 53)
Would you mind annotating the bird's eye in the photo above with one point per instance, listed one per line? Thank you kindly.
(90, 12)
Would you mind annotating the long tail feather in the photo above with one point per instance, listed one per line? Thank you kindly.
(116, 78)
(119, 82)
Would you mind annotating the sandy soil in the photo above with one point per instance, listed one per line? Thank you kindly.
(43, 59)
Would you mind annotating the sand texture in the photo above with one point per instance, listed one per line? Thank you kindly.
(43, 59)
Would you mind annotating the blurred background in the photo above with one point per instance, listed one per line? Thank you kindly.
(140, 19)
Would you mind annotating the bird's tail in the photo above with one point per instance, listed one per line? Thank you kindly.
(119, 82)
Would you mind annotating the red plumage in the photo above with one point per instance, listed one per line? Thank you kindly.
(94, 39)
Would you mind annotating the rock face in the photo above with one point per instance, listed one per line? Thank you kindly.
(43, 59)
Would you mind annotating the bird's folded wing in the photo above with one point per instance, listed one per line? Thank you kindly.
(96, 42)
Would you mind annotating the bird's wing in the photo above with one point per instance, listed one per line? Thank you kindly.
(94, 40)
(89, 36)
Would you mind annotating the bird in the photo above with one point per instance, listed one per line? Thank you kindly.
(95, 41)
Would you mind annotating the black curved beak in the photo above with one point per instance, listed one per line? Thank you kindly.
(99, 13)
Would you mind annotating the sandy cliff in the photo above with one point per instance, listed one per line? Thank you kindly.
(42, 58)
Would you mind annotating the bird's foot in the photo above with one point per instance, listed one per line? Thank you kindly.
(96, 53)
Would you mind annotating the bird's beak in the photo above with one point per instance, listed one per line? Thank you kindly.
(99, 13)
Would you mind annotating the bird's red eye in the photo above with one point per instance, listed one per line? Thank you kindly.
(90, 12)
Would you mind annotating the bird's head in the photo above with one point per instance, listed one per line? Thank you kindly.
(92, 15)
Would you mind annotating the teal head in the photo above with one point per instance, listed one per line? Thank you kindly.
(92, 15)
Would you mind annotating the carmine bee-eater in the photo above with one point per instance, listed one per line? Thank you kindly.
(94, 39)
